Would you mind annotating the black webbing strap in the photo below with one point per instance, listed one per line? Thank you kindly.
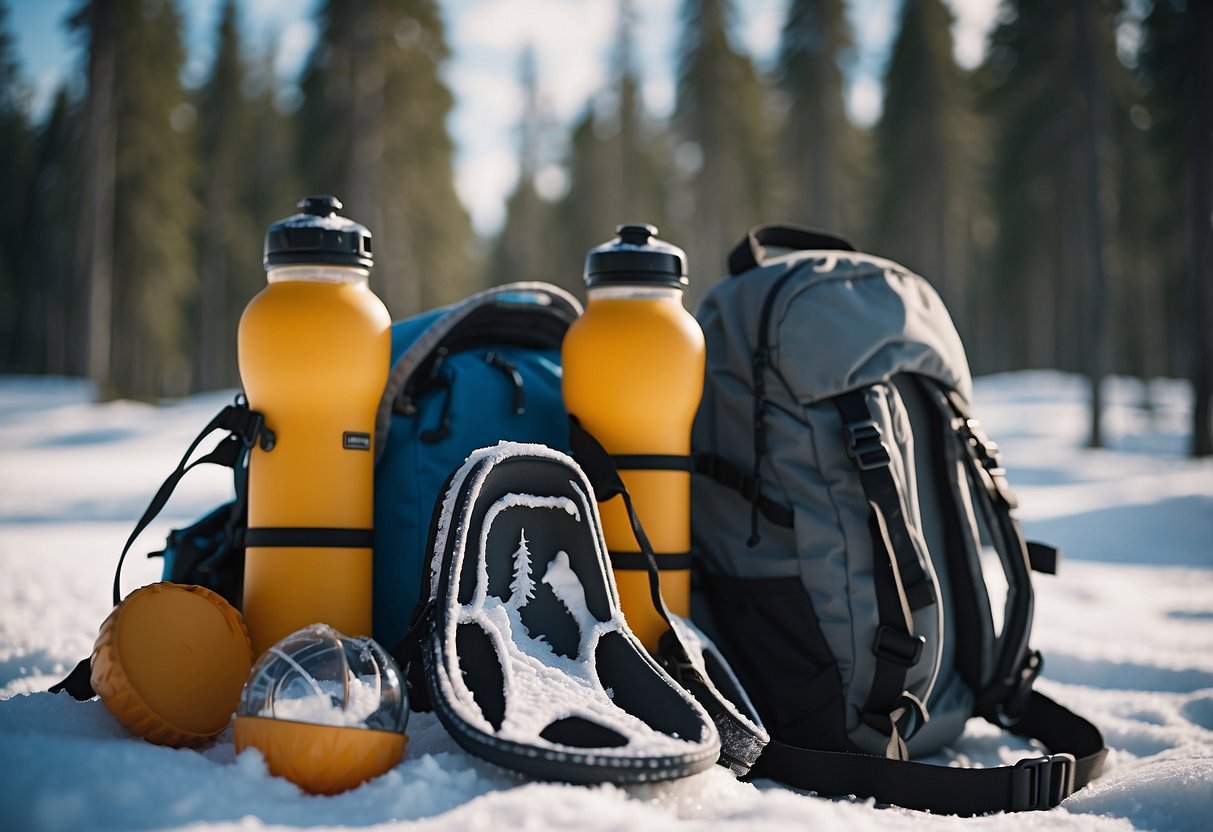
(1043, 557)
(720, 470)
(636, 561)
(309, 538)
(739, 745)
(751, 251)
(78, 683)
(666, 561)
(1076, 758)
(246, 427)
(867, 450)
(652, 462)
(901, 583)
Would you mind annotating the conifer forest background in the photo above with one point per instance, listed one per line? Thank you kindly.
(1059, 195)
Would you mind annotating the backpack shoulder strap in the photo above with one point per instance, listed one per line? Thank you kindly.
(1076, 758)
(902, 585)
(532, 313)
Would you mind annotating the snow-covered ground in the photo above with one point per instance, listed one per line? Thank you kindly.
(1126, 629)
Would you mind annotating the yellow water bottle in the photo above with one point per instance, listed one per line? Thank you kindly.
(633, 377)
(314, 348)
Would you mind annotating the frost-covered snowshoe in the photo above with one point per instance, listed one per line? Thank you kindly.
(528, 660)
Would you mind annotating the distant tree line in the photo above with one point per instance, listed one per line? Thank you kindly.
(1059, 195)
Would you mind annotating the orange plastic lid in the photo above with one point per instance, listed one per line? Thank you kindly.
(170, 661)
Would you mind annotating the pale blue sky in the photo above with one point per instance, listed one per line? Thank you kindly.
(572, 39)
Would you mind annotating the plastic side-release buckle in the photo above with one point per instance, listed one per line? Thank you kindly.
(897, 647)
(864, 445)
(1042, 782)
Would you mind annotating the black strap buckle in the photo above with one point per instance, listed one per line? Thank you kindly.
(897, 646)
(865, 446)
(1042, 782)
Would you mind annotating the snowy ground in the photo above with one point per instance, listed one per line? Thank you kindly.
(1126, 629)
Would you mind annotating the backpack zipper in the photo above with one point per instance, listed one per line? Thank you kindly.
(493, 359)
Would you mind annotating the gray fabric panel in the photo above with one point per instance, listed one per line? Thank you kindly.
(857, 321)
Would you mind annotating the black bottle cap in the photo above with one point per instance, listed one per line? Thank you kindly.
(318, 236)
(636, 258)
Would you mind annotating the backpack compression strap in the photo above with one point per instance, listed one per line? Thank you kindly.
(902, 585)
(245, 427)
(1035, 783)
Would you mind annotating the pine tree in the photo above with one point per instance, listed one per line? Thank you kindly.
(1055, 88)
(924, 143)
(720, 116)
(228, 240)
(272, 177)
(1178, 68)
(16, 145)
(373, 131)
(820, 149)
(523, 248)
(59, 313)
(139, 211)
(581, 218)
(522, 588)
(632, 188)
(618, 165)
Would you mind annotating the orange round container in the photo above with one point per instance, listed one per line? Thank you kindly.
(169, 663)
(633, 376)
(314, 348)
(320, 759)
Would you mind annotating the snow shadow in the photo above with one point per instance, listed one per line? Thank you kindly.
(1037, 476)
(82, 438)
(31, 394)
(1191, 615)
(1199, 711)
(29, 664)
(125, 509)
(1172, 532)
(1117, 675)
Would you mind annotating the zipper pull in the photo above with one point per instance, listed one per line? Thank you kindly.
(511, 370)
(443, 430)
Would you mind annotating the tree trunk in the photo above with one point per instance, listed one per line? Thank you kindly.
(97, 223)
(1097, 298)
(1200, 234)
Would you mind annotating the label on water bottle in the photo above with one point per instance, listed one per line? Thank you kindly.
(354, 441)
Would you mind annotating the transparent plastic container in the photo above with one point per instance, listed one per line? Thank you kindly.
(319, 676)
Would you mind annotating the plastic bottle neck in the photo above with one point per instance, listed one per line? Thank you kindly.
(318, 274)
(634, 292)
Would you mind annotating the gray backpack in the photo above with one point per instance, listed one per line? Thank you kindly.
(851, 519)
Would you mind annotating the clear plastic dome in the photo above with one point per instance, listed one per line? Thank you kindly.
(319, 676)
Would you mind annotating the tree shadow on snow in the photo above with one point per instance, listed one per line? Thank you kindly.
(1173, 532)
(1118, 675)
